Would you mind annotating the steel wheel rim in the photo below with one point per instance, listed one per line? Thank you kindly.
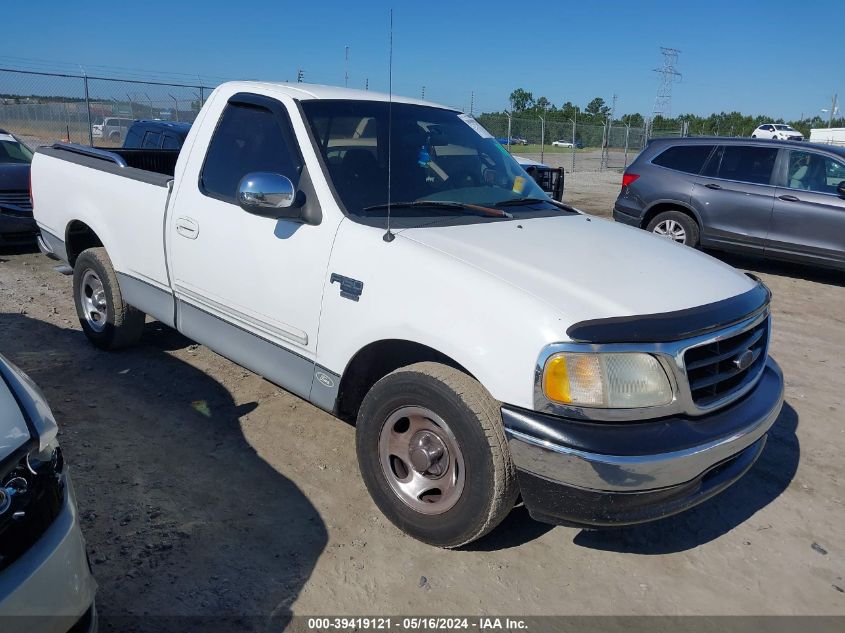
(421, 460)
(671, 229)
(92, 298)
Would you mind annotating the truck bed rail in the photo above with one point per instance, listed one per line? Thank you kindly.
(94, 152)
(156, 162)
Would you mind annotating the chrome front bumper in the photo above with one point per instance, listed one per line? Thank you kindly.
(667, 464)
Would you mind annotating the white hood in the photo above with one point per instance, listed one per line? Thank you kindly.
(589, 268)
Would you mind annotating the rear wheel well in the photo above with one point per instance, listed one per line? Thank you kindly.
(374, 362)
(666, 206)
(78, 237)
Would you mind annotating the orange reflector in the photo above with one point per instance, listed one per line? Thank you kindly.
(556, 380)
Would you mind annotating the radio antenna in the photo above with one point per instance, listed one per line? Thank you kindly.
(388, 236)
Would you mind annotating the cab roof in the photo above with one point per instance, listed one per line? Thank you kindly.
(308, 92)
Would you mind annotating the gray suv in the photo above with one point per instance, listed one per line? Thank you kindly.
(779, 199)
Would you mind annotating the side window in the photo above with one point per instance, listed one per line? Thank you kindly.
(745, 163)
(133, 139)
(151, 140)
(170, 142)
(686, 158)
(769, 128)
(247, 139)
(813, 172)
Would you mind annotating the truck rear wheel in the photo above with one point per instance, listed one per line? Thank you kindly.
(107, 320)
(433, 454)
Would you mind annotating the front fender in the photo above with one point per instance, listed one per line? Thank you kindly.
(490, 328)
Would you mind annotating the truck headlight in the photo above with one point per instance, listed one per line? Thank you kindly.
(610, 380)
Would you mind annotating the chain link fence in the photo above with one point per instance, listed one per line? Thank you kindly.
(574, 145)
(42, 108)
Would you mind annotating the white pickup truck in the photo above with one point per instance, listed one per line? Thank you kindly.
(489, 342)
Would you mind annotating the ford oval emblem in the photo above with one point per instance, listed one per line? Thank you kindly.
(744, 360)
(324, 379)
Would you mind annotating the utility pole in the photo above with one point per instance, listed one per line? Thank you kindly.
(668, 76)
(833, 110)
(346, 69)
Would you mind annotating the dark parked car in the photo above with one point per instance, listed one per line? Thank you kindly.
(156, 135)
(16, 223)
(779, 199)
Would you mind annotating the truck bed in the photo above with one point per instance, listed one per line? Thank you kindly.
(120, 195)
(160, 161)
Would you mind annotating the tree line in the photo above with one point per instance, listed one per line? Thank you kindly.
(597, 111)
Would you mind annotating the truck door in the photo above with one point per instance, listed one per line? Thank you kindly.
(248, 286)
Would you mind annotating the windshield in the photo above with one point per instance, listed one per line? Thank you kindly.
(436, 156)
(12, 151)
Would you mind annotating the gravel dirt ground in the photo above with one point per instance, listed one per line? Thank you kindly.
(206, 490)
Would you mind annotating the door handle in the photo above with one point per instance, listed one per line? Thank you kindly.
(186, 227)
(713, 185)
(789, 198)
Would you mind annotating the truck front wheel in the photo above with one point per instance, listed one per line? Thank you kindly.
(107, 320)
(433, 454)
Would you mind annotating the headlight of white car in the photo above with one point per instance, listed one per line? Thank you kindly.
(609, 380)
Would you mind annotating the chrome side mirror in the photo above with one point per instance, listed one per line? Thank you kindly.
(268, 194)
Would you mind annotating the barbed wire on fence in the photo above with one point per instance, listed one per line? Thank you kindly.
(45, 107)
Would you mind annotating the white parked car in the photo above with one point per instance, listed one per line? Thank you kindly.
(45, 581)
(563, 144)
(779, 131)
(483, 345)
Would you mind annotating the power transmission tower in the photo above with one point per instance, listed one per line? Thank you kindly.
(300, 76)
(668, 76)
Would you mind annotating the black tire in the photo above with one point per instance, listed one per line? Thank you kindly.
(123, 324)
(489, 489)
(690, 226)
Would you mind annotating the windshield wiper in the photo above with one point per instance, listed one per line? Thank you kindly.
(522, 201)
(551, 201)
(443, 204)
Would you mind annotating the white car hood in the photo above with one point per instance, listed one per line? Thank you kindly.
(589, 268)
(13, 430)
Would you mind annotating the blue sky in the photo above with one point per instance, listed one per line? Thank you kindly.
(779, 58)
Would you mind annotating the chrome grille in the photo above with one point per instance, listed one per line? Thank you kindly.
(716, 370)
(16, 198)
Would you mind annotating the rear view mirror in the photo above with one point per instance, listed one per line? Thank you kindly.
(269, 195)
